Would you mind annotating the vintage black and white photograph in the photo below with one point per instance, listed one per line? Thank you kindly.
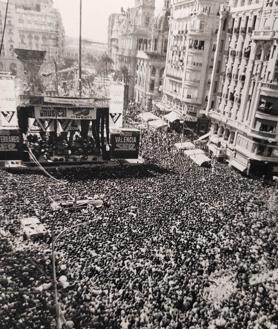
(139, 164)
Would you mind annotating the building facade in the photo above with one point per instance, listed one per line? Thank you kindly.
(151, 58)
(114, 25)
(190, 56)
(243, 103)
(31, 25)
(132, 31)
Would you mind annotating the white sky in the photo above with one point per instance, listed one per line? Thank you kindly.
(95, 16)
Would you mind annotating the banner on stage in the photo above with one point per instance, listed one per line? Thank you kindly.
(89, 102)
(125, 143)
(116, 104)
(65, 113)
(8, 115)
(9, 144)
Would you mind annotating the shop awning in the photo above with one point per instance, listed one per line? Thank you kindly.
(184, 146)
(172, 116)
(200, 159)
(194, 152)
(206, 136)
(238, 165)
(189, 118)
(162, 107)
(148, 116)
(157, 124)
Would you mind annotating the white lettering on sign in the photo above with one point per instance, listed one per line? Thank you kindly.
(125, 139)
(126, 147)
(7, 147)
(9, 139)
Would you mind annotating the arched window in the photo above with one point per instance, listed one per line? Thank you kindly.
(275, 25)
(220, 131)
(267, 52)
(259, 52)
(13, 68)
(215, 128)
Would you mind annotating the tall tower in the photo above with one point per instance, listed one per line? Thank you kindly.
(144, 12)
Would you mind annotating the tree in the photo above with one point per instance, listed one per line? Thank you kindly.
(104, 65)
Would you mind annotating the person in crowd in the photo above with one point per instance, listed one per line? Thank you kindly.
(152, 256)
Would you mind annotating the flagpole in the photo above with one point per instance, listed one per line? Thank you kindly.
(80, 51)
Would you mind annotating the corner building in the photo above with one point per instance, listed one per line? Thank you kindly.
(151, 58)
(243, 102)
(32, 25)
(189, 61)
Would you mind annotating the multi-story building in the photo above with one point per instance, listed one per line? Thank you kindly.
(190, 55)
(151, 61)
(114, 25)
(243, 102)
(32, 25)
(133, 33)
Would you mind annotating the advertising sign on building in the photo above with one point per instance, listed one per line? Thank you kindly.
(8, 114)
(116, 104)
(125, 143)
(53, 112)
(9, 144)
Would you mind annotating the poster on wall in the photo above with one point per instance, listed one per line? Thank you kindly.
(8, 115)
(116, 104)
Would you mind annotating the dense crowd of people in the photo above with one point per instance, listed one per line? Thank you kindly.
(47, 146)
(170, 235)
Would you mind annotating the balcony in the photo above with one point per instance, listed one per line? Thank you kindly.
(264, 134)
(269, 89)
(267, 115)
(263, 35)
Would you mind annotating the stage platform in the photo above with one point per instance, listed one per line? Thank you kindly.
(56, 166)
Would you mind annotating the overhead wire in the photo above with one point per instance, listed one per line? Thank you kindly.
(35, 160)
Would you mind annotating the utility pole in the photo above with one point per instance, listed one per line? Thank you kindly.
(80, 51)
(56, 77)
(4, 27)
